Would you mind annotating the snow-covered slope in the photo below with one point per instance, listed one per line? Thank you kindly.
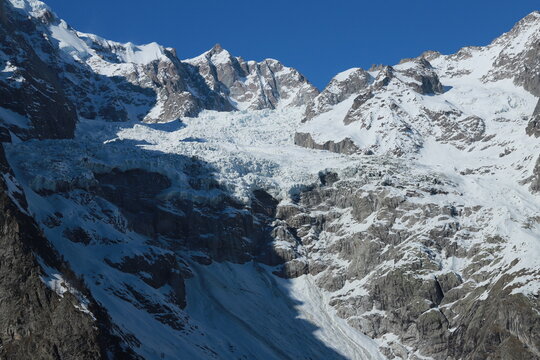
(243, 151)
(405, 105)
(216, 236)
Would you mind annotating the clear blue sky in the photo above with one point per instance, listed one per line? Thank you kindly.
(319, 38)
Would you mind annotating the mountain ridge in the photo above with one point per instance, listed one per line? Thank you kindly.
(181, 219)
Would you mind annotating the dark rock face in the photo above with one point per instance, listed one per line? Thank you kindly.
(522, 67)
(346, 146)
(533, 128)
(535, 186)
(163, 269)
(35, 322)
(505, 326)
(423, 73)
(356, 107)
(179, 88)
(220, 228)
(33, 89)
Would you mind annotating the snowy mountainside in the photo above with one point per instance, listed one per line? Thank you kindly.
(176, 193)
(100, 229)
(404, 105)
(119, 82)
(252, 85)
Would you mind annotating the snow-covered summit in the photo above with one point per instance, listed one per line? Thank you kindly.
(127, 52)
(217, 55)
(424, 98)
(250, 84)
(73, 40)
(34, 8)
(123, 81)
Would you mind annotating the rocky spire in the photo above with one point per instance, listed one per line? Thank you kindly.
(253, 85)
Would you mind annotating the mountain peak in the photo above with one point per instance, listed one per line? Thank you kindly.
(218, 55)
(217, 48)
(34, 8)
(534, 14)
(526, 24)
(142, 54)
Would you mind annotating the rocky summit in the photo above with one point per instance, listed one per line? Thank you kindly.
(155, 207)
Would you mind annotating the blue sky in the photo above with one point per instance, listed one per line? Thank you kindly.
(319, 38)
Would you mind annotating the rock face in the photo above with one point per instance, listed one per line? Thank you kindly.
(156, 88)
(533, 128)
(224, 222)
(339, 89)
(253, 85)
(46, 311)
(535, 186)
(405, 228)
(30, 88)
(520, 62)
(384, 288)
(345, 146)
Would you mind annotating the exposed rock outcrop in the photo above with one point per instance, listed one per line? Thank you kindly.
(345, 146)
(253, 85)
(31, 89)
(533, 127)
(535, 186)
(384, 289)
(338, 89)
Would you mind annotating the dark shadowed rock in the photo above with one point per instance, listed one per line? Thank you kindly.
(34, 89)
(35, 321)
(533, 128)
(535, 185)
(346, 146)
